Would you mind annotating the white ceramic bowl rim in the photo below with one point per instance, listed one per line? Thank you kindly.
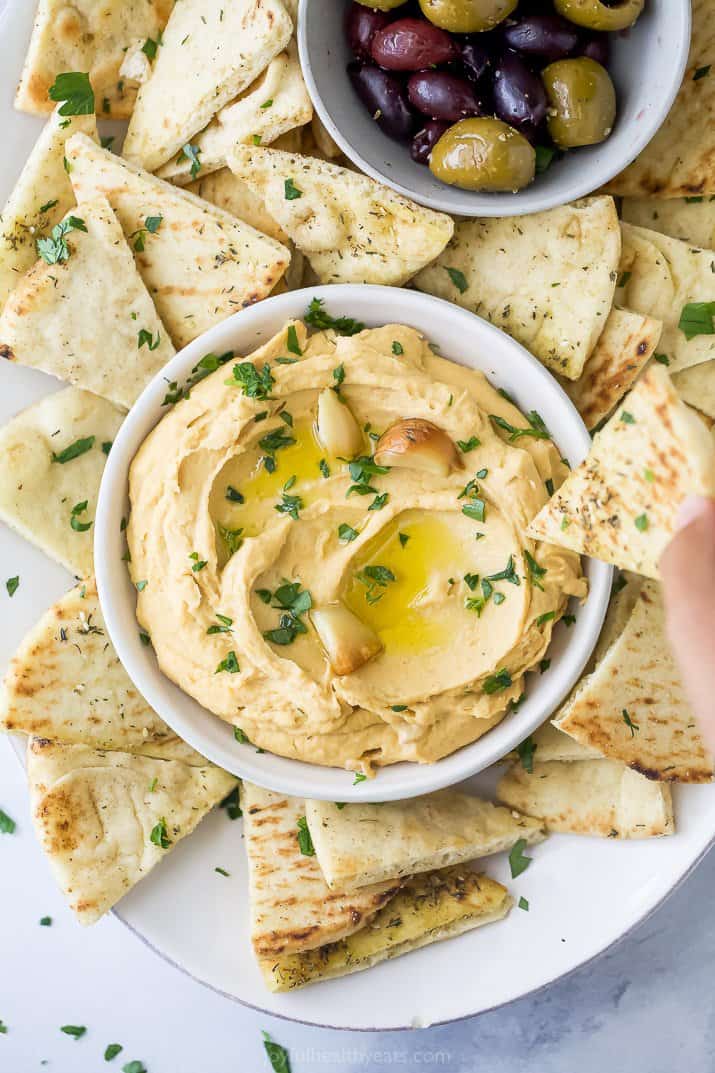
(507, 365)
(646, 91)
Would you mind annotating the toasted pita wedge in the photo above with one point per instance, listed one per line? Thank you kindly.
(696, 386)
(547, 279)
(274, 104)
(620, 608)
(626, 345)
(633, 707)
(659, 277)
(590, 797)
(350, 228)
(87, 36)
(228, 192)
(212, 50)
(65, 682)
(39, 497)
(549, 743)
(361, 844)
(320, 142)
(429, 907)
(88, 319)
(690, 219)
(621, 502)
(292, 908)
(41, 197)
(202, 264)
(105, 819)
(680, 160)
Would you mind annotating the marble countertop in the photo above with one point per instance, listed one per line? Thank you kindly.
(645, 1007)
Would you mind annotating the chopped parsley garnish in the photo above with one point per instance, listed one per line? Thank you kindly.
(293, 602)
(468, 445)
(548, 616)
(494, 683)
(192, 153)
(627, 418)
(7, 825)
(134, 1067)
(159, 836)
(379, 501)
(112, 1051)
(292, 341)
(403, 538)
(277, 1055)
(54, 250)
(535, 571)
(265, 595)
(696, 318)
(481, 474)
(641, 523)
(458, 279)
(229, 664)
(549, 486)
(268, 103)
(144, 638)
(270, 443)
(702, 72)
(568, 621)
(240, 736)
(359, 777)
(338, 376)
(223, 625)
(141, 585)
(346, 533)
(525, 751)
(106, 447)
(649, 475)
(537, 429)
(233, 495)
(375, 579)
(544, 665)
(232, 538)
(12, 585)
(222, 871)
(398, 707)
(523, 904)
(475, 509)
(197, 564)
(304, 840)
(518, 863)
(79, 447)
(471, 581)
(145, 338)
(632, 726)
(319, 319)
(75, 1031)
(507, 574)
(499, 598)
(47, 206)
(232, 801)
(76, 524)
(291, 191)
(397, 348)
(45, 922)
(360, 470)
(152, 785)
(289, 504)
(324, 468)
(151, 226)
(149, 48)
(623, 279)
(75, 90)
(544, 158)
(662, 359)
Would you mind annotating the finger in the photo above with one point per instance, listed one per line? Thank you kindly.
(687, 568)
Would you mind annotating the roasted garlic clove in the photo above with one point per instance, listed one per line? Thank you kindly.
(347, 641)
(338, 431)
(414, 443)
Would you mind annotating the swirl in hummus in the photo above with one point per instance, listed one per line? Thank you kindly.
(328, 539)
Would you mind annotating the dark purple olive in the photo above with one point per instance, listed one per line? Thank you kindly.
(547, 36)
(475, 59)
(425, 140)
(361, 25)
(411, 44)
(442, 96)
(384, 97)
(519, 94)
(597, 47)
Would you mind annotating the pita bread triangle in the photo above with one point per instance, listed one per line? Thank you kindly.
(633, 708)
(65, 683)
(86, 317)
(48, 501)
(228, 192)
(225, 45)
(41, 197)
(427, 909)
(547, 279)
(624, 349)
(620, 504)
(87, 36)
(350, 228)
(411, 836)
(105, 819)
(590, 797)
(662, 277)
(680, 159)
(202, 264)
(292, 907)
(690, 219)
(277, 102)
(696, 386)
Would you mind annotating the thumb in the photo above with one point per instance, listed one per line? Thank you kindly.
(687, 568)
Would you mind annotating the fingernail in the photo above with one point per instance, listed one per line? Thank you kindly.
(692, 508)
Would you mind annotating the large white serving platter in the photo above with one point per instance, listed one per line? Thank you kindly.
(584, 894)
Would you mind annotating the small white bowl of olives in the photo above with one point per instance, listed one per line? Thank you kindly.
(493, 107)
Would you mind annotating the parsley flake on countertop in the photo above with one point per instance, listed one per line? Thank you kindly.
(291, 191)
(518, 863)
(523, 904)
(304, 840)
(159, 835)
(75, 450)
(277, 1055)
(112, 1050)
(75, 90)
(319, 319)
(12, 585)
(7, 826)
(76, 1031)
(222, 871)
(45, 922)
(134, 1067)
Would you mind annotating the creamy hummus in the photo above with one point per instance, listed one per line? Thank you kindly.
(243, 525)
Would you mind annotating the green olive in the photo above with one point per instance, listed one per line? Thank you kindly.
(467, 16)
(582, 102)
(381, 5)
(483, 154)
(595, 15)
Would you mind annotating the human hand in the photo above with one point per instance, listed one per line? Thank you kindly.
(687, 568)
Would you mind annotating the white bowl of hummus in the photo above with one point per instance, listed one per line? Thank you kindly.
(311, 544)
